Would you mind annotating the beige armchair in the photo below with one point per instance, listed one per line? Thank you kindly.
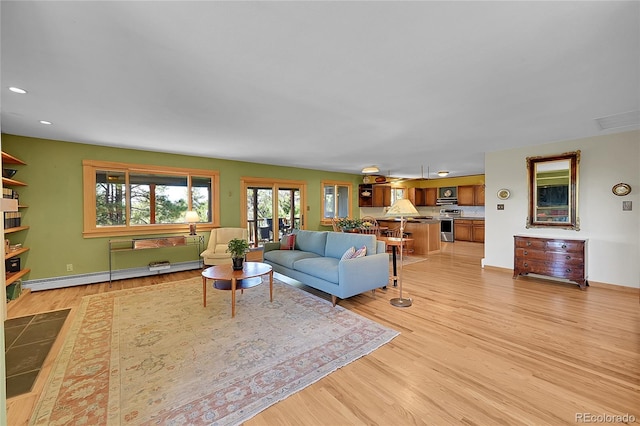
(216, 252)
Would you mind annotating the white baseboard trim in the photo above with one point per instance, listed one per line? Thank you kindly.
(101, 277)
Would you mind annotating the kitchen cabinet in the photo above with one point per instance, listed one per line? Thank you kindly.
(381, 196)
(469, 230)
(431, 196)
(424, 233)
(423, 196)
(471, 195)
(365, 195)
(13, 226)
(416, 196)
(374, 195)
(477, 231)
(564, 258)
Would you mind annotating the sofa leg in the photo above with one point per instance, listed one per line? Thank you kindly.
(334, 299)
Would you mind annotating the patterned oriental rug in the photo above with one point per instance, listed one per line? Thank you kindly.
(154, 355)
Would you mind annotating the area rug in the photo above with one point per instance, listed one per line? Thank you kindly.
(155, 355)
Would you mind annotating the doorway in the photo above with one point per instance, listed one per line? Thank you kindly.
(273, 208)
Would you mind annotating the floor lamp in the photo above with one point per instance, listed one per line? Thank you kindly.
(401, 208)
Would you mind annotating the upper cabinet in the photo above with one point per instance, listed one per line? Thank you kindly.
(471, 195)
(381, 196)
(374, 195)
(423, 196)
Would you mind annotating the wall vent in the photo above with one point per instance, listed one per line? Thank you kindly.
(623, 119)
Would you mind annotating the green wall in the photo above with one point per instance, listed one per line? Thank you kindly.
(54, 196)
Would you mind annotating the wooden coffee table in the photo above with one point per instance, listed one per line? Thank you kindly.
(226, 278)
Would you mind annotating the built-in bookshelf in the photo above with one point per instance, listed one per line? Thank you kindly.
(13, 222)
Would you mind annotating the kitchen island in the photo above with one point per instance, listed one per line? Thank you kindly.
(425, 233)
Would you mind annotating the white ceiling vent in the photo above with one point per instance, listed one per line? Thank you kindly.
(624, 119)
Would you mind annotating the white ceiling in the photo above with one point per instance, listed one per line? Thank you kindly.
(331, 85)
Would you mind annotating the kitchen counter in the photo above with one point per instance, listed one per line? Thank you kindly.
(424, 232)
(430, 219)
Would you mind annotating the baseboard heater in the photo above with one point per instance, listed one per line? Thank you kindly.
(103, 276)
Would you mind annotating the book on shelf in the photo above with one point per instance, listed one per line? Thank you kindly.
(12, 219)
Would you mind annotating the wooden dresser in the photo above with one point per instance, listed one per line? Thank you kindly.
(555, 257)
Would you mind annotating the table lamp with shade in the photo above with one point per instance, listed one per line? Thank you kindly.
(401, 208)
(192, 218)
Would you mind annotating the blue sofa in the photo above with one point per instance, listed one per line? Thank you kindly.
(315, 261)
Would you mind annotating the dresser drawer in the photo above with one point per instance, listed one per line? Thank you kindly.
(528, 253)
(565, 258)
(532, 266)
(532, 243)
(559, 245)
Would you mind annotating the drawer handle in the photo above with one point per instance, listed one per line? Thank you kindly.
(568, 270)
(526, 252)
(564, 246)
(567, 257)
(528, 243)
(526, 264)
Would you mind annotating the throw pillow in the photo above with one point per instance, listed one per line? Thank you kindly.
(288, 242)
(348, 254)
(361, 252)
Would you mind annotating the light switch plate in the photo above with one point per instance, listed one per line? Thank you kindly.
(626, 206)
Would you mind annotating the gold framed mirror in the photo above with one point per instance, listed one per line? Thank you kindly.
(553, 191)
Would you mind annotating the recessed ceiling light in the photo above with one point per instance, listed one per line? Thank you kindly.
(45, 122)
(17, 90)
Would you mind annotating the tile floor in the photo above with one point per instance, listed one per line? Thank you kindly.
(27, 343)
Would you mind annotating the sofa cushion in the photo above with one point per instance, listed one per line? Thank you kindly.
(287, 258)
(325, 268)
(222, 248)
(288, 242)
(339, 242)
(349, 253)
(312, 241)
(361, 252)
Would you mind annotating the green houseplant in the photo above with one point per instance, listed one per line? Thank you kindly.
(347, 224)
(238, 247)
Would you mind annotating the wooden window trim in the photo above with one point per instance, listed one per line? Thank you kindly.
(90, 230)
(327, 222)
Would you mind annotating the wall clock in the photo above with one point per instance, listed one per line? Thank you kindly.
(621, 189)
(503, 194)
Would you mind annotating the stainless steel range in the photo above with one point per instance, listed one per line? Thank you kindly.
(447, 217)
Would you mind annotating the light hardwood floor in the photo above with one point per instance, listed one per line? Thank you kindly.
(476, 347)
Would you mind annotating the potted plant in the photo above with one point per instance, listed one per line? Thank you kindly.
(348, 225)
(238, 247)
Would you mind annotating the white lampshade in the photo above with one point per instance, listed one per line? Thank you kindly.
(402, 207)
(192, 216)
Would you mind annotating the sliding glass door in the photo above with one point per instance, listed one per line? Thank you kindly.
(273, 208)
